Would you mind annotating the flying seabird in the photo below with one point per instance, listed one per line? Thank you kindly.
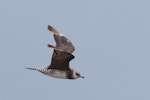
(62, 55)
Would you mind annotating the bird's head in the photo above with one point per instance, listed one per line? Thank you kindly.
(77, 75)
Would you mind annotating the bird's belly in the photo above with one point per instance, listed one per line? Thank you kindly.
(57, 74)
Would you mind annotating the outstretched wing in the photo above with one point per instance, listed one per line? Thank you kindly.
(60, 60)
(62, 43)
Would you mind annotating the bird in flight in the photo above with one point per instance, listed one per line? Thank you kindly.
(62, 55)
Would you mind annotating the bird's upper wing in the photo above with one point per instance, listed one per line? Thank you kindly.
(60, 60)
(62, 42)
(52, 29)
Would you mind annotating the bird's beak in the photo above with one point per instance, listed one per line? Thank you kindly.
(82, 76)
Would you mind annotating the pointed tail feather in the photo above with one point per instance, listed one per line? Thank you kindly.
(32, 68)
(42, 70)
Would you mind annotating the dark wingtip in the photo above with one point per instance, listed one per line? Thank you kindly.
(51, 46)
(50, 28)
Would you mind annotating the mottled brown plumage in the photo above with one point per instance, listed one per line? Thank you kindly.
(62, 55)
(62, 51)
(62, 43)
(60, 60)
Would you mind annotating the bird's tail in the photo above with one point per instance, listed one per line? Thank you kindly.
(32, 68)
(42, 70)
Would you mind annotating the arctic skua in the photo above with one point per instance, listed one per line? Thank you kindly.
(62, 55)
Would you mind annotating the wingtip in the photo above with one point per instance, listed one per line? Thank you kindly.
(50, 28)
(51, 46)
(56, 32)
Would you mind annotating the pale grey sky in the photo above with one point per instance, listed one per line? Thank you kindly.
(112, 40)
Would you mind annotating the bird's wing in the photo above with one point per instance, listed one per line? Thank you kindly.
(62, 42)
(60, 60)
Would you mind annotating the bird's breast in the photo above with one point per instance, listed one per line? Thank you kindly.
(57, 73)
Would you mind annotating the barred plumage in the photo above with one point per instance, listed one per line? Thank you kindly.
(42, 70)
(51, 72)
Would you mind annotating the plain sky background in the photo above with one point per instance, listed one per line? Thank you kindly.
(112, 40)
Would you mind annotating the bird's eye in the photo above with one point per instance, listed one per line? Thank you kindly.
(77, 74)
